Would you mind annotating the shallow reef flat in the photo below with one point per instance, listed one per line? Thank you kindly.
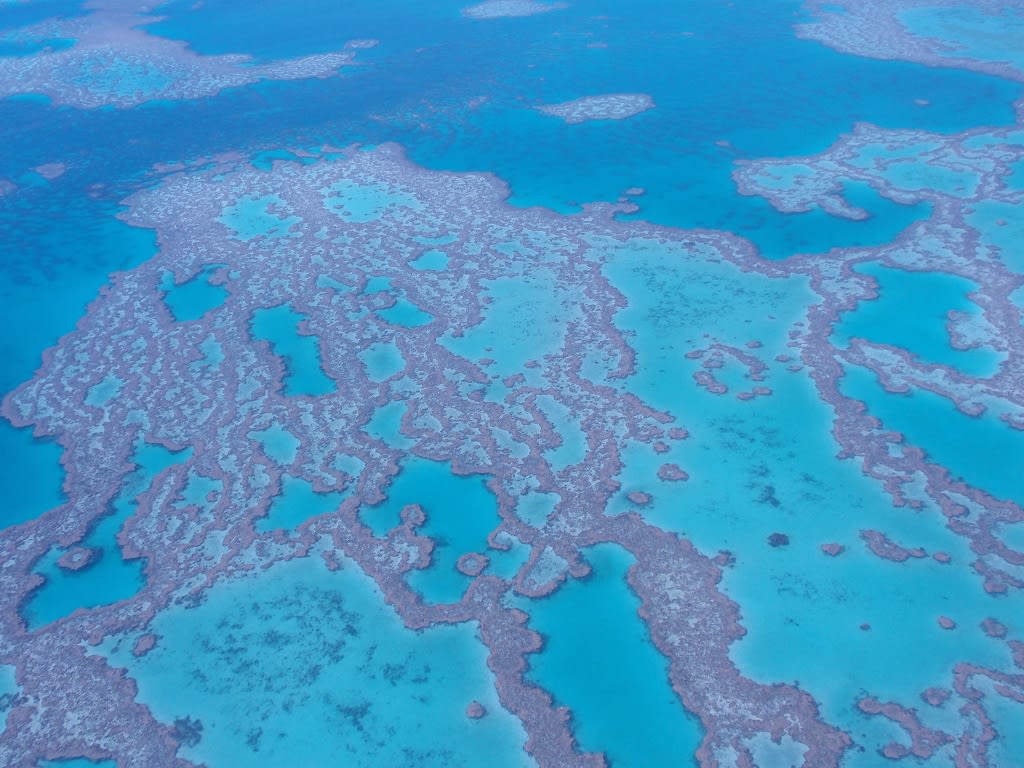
(612, 106)
(483, 414)
(109, 60)
(500, 9)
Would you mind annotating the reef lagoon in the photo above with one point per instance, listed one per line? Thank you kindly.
(512, 383)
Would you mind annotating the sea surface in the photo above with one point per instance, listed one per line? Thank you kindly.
(330, 616)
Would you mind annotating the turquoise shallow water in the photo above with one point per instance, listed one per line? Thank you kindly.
(382, 360)
(8, 686)
(300, 353)
(964, 444)
(460, 513)
(253, 218)
(301, 665)
(759, 469)
(193, 298)
(296, 504)
(109, 577)
(32, 474)
(278, 443)
(598, 660)
(911, 313)
(386, 425)
(986, 37)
